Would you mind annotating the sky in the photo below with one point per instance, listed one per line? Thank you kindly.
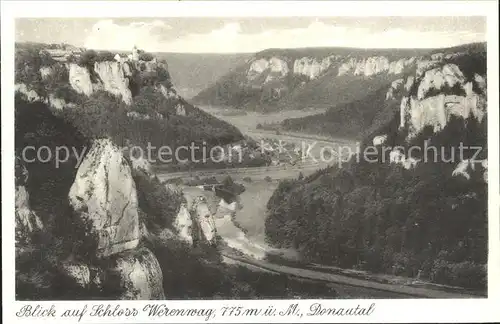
(248, 35)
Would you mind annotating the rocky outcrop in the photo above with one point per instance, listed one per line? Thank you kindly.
(256, 68)
(275, 67)
(395, 87)
(379, 140)
(114, 77)
(183, 224)
(441, 92)
(467, 167)
(26, 220)
(207, 230)
(109, 76)
(45, 72)
(31, 96)
(79, 78)
(139, 275)
(374, 65)
(104, 194)
(312, 67)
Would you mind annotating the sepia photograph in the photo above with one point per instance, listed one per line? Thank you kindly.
(178, 158)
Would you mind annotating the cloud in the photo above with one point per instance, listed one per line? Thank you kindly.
(105, 34)
(230, 39)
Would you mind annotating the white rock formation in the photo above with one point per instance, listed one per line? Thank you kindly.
(379, 140)
(484, 164)
(180, 110)
(277, 68)
(204, 219)
(436, 78)
(30, 94)
(463, 168)
(183, 224)
(104, 193)
(419, 110)
(396, 156)
(257, 68)
(311, 67)
(79, 78)
(424, 65)
(373, 65)
(395, 86)
(113, 76)
(409, 163)
(26, 220)
(141, 275)
(45, 72)
(409, 82)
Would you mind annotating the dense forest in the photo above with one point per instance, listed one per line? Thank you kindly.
(384, 218)
(370, 214)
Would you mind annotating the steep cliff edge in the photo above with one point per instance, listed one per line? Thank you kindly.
(316, 77)
(83, 228)
(448, 73)
(97, 91)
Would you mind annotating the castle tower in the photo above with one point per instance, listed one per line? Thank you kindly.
(135, 54)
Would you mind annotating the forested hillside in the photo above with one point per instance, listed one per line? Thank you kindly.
(98, 106)
(401, 213)
(374, 108)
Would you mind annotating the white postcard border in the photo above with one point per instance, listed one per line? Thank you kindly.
(415, 310)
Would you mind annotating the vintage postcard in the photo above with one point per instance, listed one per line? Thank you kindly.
(182, 162)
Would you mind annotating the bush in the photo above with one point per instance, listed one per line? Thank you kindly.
(247, 179)
(90, 57)
(464, 274)
(146, 57)
(160, 204)
(268, 179)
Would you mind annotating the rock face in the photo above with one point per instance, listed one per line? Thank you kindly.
(79, 78)
(441, 92)
(32, 96)
(114, 78)
(437, 91)
(466, 167)
(139, 274)
(104, 193)
(312, 67)
(204, 219)
(183, 224)
(27, 221)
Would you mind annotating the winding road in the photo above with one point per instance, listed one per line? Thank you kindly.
(346, 286)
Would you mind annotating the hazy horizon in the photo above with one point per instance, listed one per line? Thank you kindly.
(245, 36)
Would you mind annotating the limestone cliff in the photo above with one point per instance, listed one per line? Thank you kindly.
(104, 194)
(304, 78)
(432, 105)
(88, 72)
(449, 87)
